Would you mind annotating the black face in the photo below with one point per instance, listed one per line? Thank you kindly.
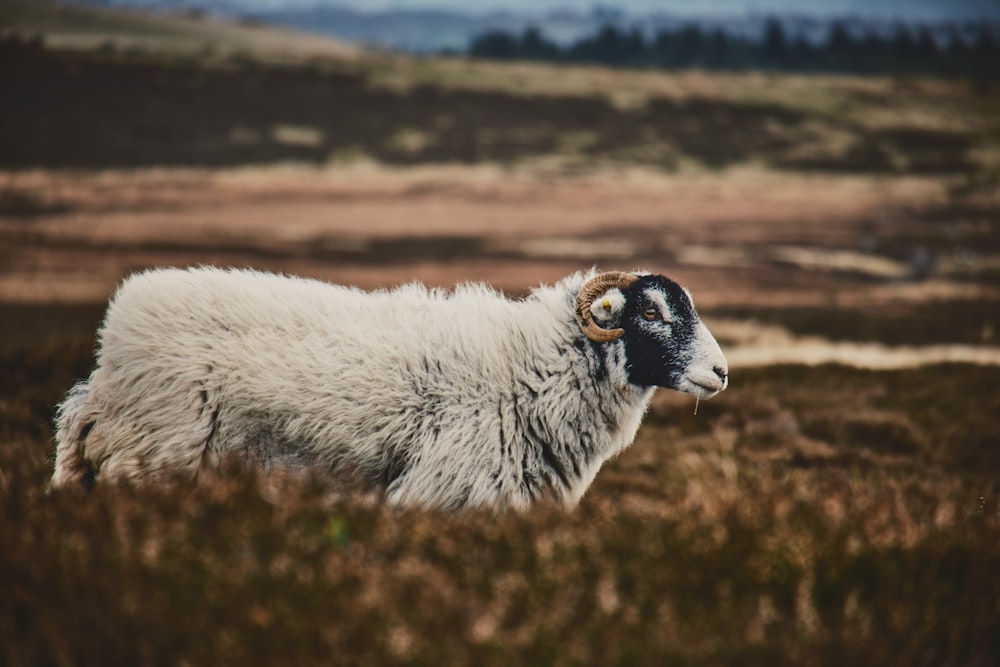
(658, 344)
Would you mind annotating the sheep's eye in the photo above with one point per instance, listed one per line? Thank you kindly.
(651, 314)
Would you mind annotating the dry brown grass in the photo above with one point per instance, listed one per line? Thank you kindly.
(807, 516)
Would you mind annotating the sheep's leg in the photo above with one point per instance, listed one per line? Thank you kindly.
(138, 440)
(74, 422)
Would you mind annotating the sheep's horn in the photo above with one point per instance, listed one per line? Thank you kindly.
(595, 287)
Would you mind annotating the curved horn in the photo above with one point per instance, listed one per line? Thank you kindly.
(595, 287)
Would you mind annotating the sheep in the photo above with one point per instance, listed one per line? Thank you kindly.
(431, 398)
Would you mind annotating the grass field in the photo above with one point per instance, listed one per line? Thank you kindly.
(809, 516)
(814, 514)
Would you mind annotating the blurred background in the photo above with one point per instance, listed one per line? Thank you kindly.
(823, 176)
(787, 162)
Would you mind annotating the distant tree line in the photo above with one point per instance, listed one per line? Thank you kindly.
(905, 49)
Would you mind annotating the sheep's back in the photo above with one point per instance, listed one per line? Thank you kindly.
(341, 373)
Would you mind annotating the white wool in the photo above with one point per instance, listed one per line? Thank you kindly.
(608, 306)
(446, 399)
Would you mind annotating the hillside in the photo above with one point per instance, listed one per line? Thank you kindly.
(135, 109)
(86, 27)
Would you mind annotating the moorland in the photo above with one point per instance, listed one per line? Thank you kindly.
(839, 504)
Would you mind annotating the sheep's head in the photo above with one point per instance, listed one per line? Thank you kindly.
(666, 343)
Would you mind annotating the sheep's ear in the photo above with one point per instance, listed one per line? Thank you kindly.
(608, 306)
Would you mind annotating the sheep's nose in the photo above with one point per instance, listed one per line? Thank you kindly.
(723, 373)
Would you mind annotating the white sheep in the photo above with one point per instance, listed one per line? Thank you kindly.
(441, 399)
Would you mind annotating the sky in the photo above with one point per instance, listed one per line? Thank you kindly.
(912, 9)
